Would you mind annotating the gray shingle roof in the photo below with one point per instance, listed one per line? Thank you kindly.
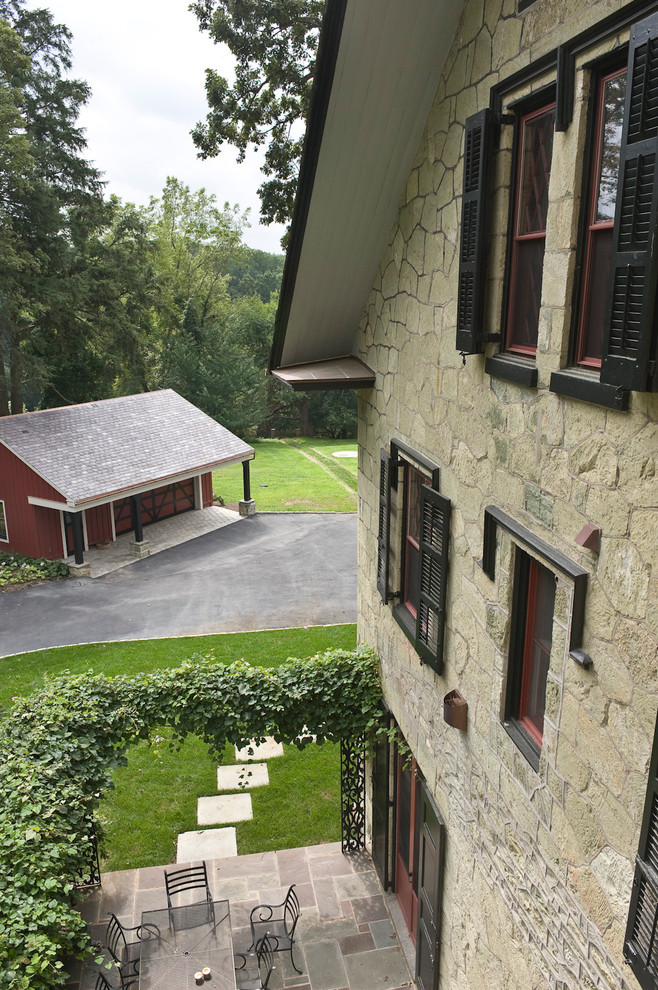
(99, 448)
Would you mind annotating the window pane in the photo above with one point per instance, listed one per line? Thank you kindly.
(415, 481)
(537, 649)
(413, 505)
(527, 261)
(612, 119)
(3, 524)
(526, 294)
(411, 577)
(537, 150)
(598, 275)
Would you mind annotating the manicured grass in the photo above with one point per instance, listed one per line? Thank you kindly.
(24, 673)
(155, 795)
(284, 480)
(155, 798)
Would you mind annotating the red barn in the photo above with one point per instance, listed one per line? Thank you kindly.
(74, 476)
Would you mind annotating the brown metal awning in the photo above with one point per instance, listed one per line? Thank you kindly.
(342, 372)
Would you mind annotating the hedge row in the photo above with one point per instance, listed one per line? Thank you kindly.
(58, 749)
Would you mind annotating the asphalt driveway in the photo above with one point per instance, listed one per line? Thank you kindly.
(268, 571)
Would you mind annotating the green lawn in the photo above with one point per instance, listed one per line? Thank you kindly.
(283, 479)
(155, 795)
(24, 673)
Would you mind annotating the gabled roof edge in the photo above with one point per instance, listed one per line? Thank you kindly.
(328, 47)
(39, 474)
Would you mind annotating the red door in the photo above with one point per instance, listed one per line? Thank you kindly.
(408, 789)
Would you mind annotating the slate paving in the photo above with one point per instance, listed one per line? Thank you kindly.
(347, 939)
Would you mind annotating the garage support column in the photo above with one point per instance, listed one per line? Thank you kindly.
(139, 546)
(247, 506)
(136, 509)
(78, 538)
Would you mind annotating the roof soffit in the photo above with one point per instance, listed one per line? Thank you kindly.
(388, 66)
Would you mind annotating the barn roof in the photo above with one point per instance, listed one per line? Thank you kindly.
(378, 67)
(101, 448)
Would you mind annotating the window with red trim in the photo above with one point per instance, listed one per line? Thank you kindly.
(602, 198)
(535, 150)
(414, 481)
(536, 649)
(4, 537)
(530, 651)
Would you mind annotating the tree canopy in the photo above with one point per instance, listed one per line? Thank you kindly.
(274, 43)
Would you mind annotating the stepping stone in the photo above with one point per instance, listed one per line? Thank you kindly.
(224, 808)
(208, 843)
(237, 778)
(262, 751)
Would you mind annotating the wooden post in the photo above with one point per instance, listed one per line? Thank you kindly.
(136, 509)
(78, 538)
(246, 486)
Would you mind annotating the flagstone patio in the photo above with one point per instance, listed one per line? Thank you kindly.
(347, 939)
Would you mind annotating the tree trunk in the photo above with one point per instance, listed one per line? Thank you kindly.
(4, 391)
(4, 394)
(305, 428)
(15, 375)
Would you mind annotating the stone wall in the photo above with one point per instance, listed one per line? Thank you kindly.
(539, 865)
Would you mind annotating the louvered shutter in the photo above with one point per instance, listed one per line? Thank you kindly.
(472, 255)
(384, 523)
(433, 563)
(641, 942)
(629, 331)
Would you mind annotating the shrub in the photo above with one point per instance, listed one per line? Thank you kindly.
(16, 569)
(58, 749)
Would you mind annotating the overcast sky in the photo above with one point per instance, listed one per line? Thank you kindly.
(145, 62)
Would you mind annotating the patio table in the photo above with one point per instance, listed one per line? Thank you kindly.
(168, 961)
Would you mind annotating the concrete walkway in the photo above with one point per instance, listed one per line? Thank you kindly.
(272, 571)
(347, 938)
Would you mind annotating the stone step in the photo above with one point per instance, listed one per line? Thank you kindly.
(224, 808)
(261, 751)
(207, 843)
(242, 776)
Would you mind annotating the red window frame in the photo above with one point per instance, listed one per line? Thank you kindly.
(414, 480)
(537, 641)
(519, 340)
(589, 338)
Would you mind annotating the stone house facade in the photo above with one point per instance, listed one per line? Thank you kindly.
(508, 536)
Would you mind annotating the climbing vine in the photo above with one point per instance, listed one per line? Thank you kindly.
(58, 749)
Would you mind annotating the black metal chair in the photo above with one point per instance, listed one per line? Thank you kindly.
(102, 983)
(125, 952)
(278, 922)
(255, 977)
(198, 912)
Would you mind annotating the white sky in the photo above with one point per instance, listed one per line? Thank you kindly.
(145, 62)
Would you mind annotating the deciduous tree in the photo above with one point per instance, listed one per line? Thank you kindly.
(274, 43)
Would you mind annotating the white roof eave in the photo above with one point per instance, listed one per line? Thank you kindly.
(388, 66)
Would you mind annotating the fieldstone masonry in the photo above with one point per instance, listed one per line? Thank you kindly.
(539, 865)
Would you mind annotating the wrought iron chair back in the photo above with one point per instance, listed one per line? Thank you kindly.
(123, 951)
(278, 922)
(115, 940)
(259, 980)
(102, 982)
(188, 878)
(291, 911)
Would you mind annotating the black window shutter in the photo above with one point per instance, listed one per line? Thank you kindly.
(472, 255)
(433, 563)
(629, 332)
(384, 523)
(641, 942)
